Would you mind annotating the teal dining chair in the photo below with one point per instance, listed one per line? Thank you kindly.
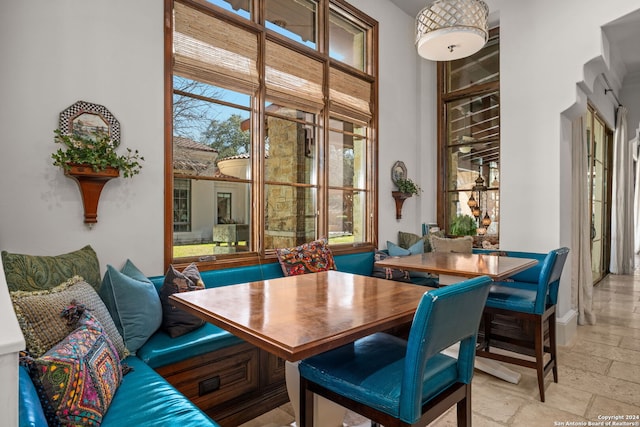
(520, 316)
(397, 382)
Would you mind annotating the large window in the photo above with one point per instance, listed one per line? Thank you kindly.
(269, 141)
(469, 143)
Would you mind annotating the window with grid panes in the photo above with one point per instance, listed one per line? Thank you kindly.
(469, 142)
(261, 112)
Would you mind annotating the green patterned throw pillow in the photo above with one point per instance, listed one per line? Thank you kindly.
(35, 272)
(38, 314)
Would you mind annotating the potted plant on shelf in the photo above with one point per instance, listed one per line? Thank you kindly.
(96, 151)
(406, 189)
(92, 161)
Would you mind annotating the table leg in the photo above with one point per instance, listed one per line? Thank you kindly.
(326, 414)
(489, 366)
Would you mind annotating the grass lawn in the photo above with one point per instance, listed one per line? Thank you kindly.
(203, 249)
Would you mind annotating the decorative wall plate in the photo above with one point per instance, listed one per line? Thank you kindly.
(87, 119)
(398, 171)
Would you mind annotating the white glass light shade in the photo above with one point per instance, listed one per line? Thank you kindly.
(452, 29)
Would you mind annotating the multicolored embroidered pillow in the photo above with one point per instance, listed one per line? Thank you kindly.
(36, 272)
(38, 314)
(175, 321)
(77, 379)
(307, 258)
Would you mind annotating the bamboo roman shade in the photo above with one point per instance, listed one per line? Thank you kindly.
(211, 50)
(349, 96)
(293, 78)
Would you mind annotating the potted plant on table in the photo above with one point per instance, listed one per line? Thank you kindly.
(406, 189)
(91, 160)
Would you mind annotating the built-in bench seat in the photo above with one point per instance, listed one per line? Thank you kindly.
(207, 370)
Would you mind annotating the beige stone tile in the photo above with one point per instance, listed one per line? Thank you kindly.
(601, 385)
(449, 419)
(625, 371)
(543, 415)
(567, 398)
(495, 403)
(602, 327)
(617, 320)
(480, 421)
(276, 417)
(584, 361)
(630, 343)
(590, 334)
(607, 351)
(604, 406)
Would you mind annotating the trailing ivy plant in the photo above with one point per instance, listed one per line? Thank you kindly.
(98, 151)
(406, 185)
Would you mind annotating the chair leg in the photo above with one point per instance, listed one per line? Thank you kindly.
(539, 351)
(552, 346)
(463, 408)
(487, 319)
(306, 405)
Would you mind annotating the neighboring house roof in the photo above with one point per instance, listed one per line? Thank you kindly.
(193, 158)
(190, 144)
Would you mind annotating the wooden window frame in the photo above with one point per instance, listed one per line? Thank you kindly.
(442, 158)
(365, 112)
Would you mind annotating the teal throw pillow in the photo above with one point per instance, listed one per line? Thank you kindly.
(395, 250)
(416, 248)
(133, 302)
(406, 240)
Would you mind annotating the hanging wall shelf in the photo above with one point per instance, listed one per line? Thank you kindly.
(91, 184)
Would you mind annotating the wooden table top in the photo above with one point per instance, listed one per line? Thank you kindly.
(457, 264)
(300, 316)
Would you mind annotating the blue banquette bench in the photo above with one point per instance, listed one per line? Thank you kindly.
(205, 375)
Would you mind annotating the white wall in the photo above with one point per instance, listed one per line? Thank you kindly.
(54, 54)
(544, 46)
(407, 102)
(111, 53)
(630, 98)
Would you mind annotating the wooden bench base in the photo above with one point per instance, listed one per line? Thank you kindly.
(232, 385)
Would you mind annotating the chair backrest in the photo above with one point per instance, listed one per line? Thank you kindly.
(444, 317)
(549, 281)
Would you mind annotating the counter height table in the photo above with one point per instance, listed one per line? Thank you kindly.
(453, 267)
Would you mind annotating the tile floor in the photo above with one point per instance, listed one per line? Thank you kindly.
(599, 375)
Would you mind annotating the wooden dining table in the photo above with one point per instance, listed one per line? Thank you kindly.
(452, 267)
(300, 316)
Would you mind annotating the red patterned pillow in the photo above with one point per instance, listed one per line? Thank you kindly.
(77, 378)
(307, 258)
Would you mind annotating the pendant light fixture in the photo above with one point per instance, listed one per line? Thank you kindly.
(452, 29)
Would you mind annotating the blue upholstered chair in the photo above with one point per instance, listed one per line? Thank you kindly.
(516, 314)
(396, 382)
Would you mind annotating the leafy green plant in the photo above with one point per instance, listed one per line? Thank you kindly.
(406, 185)
(98, 152)
(463, 225)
